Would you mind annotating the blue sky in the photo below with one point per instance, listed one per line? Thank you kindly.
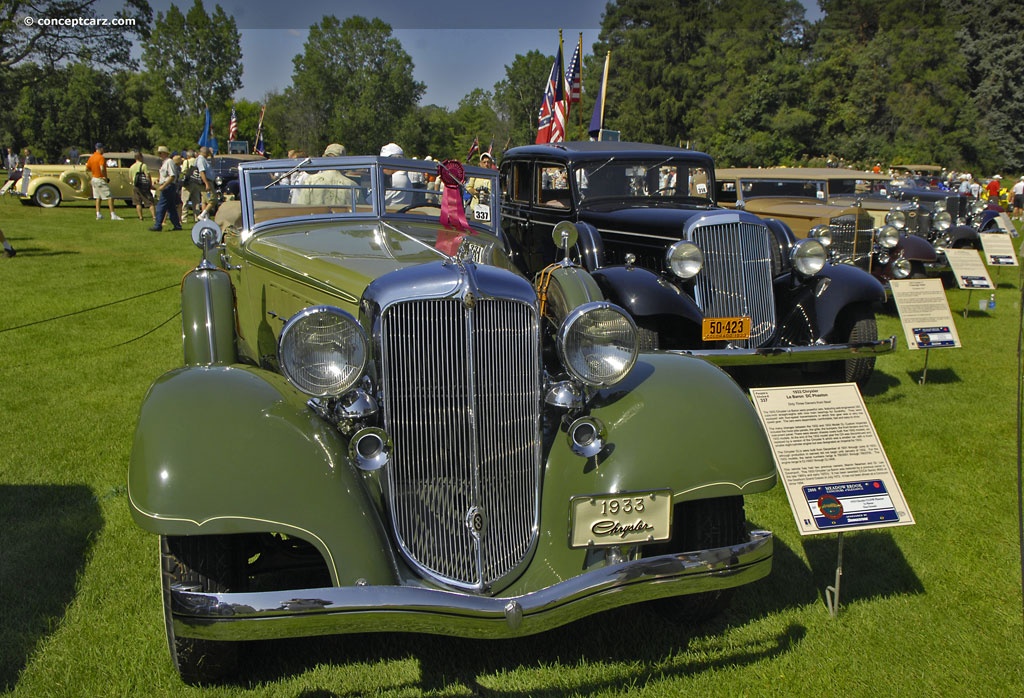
(455, 45)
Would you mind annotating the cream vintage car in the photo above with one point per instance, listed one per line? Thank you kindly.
(48, 185)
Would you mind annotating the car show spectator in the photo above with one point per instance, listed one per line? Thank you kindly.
(8, 250)
(204, 171)
(142, 187)
(11, 160)
(1018, 199)
(993, 187)
(72, 158)
(97, 167)
(27, 158)
(167, 188)
(328, 187)
(400, 191)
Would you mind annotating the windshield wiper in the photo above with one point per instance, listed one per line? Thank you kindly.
(289, 173)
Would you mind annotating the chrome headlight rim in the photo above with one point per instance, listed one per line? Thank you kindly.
(821, 233)
(896, 218)
(323, 351)
(808, 257)
(941, 220)
(684, 259)
(576, 346)
(888, 236)
(901, 268)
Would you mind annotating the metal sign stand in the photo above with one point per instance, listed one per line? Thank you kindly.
(832, 592)
(967, 305)
(924, 373)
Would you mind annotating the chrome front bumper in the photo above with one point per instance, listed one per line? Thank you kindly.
(360, 609)
(792, 355)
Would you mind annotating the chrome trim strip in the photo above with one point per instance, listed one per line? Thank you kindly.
(791, 355)
(358, 609)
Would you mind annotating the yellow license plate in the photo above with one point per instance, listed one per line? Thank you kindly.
(724, 329)
(620, 519)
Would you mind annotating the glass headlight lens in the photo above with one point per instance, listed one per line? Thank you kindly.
(940, 205)
(684, 259)
(808, 257)
(323, 351)
(598, 343)
(896, 219)
(821, 233)
(941, 220)
(888, 236)
(901, 268)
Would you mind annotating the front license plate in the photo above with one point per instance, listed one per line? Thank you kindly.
(722, 329)
(620, 519)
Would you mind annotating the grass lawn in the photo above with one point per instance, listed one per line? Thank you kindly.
(89, 320)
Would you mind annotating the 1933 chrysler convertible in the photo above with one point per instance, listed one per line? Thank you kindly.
(381, 425)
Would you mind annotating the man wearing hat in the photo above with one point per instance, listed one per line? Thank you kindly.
(400, 192)
(480, 187)
(97, 166)
(167, 190)
(327, 187)
(993, 187)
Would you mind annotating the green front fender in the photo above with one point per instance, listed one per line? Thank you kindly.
(222, 450)
(677, 423)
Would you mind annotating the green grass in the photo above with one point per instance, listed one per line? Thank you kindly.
(88, 322)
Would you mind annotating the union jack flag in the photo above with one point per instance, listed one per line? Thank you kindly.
(233, 126)
(573, 75)
(551, 121)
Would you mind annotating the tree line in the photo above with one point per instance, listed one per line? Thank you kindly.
(752, 82)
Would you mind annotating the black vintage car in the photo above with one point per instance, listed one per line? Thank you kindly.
(225, 173)
(724, 285)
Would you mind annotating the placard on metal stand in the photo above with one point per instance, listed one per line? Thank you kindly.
(831, 463)
(925, 315)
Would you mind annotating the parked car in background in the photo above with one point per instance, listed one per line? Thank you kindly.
(721, 284)
(391, 429)
(48, 185)
(225, 173)
(830, 204)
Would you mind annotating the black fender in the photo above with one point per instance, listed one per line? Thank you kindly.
(840, 286)
(988, 219)
(966, 236)
(590, 246)
(644, 293)
(917, 249)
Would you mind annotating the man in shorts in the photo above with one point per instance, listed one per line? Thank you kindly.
(97, 166)
(142, 187)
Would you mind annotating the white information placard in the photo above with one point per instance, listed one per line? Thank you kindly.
(968, 268)
(831, 462)
(998, 250)
(924, 313)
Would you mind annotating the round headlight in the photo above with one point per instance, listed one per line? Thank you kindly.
(808, 257)
(977, 206)
(323, 351)
(940, 205)
(684, 259)
(598, 343)
(941, 220)
(901, 268)
(821, 233)
(896, 219)
(888, 236)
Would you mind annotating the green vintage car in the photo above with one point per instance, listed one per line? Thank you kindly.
(379, 425)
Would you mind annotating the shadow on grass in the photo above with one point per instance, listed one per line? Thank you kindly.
(873, 566)
(937, 376)
(45, 534)
(37, 251)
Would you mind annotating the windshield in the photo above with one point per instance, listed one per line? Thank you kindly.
(652, 180)
(360, 187)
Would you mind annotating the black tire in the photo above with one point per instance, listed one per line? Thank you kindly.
(46, 196)
(856, 325)
(703, 524)
(208, 564)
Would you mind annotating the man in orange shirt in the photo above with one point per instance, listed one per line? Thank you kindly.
(97, 166)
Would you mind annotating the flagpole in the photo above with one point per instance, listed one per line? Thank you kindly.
(579, 118)
(604, 85)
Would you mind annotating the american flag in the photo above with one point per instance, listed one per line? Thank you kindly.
(573, 76)
(233, 126)
(473, 148)
(551, 121)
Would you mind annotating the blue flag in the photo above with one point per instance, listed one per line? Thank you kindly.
(204, 137)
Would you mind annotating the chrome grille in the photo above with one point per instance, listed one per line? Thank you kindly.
(736, 279)
(849, 243)
(461, 393)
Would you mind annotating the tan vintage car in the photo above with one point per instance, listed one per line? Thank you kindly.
(48, 185)
(853, 234)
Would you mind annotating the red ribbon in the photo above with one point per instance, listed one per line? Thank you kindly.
(453, 212)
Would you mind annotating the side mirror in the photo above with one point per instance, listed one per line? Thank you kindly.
(565, 236)
(206, 235)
